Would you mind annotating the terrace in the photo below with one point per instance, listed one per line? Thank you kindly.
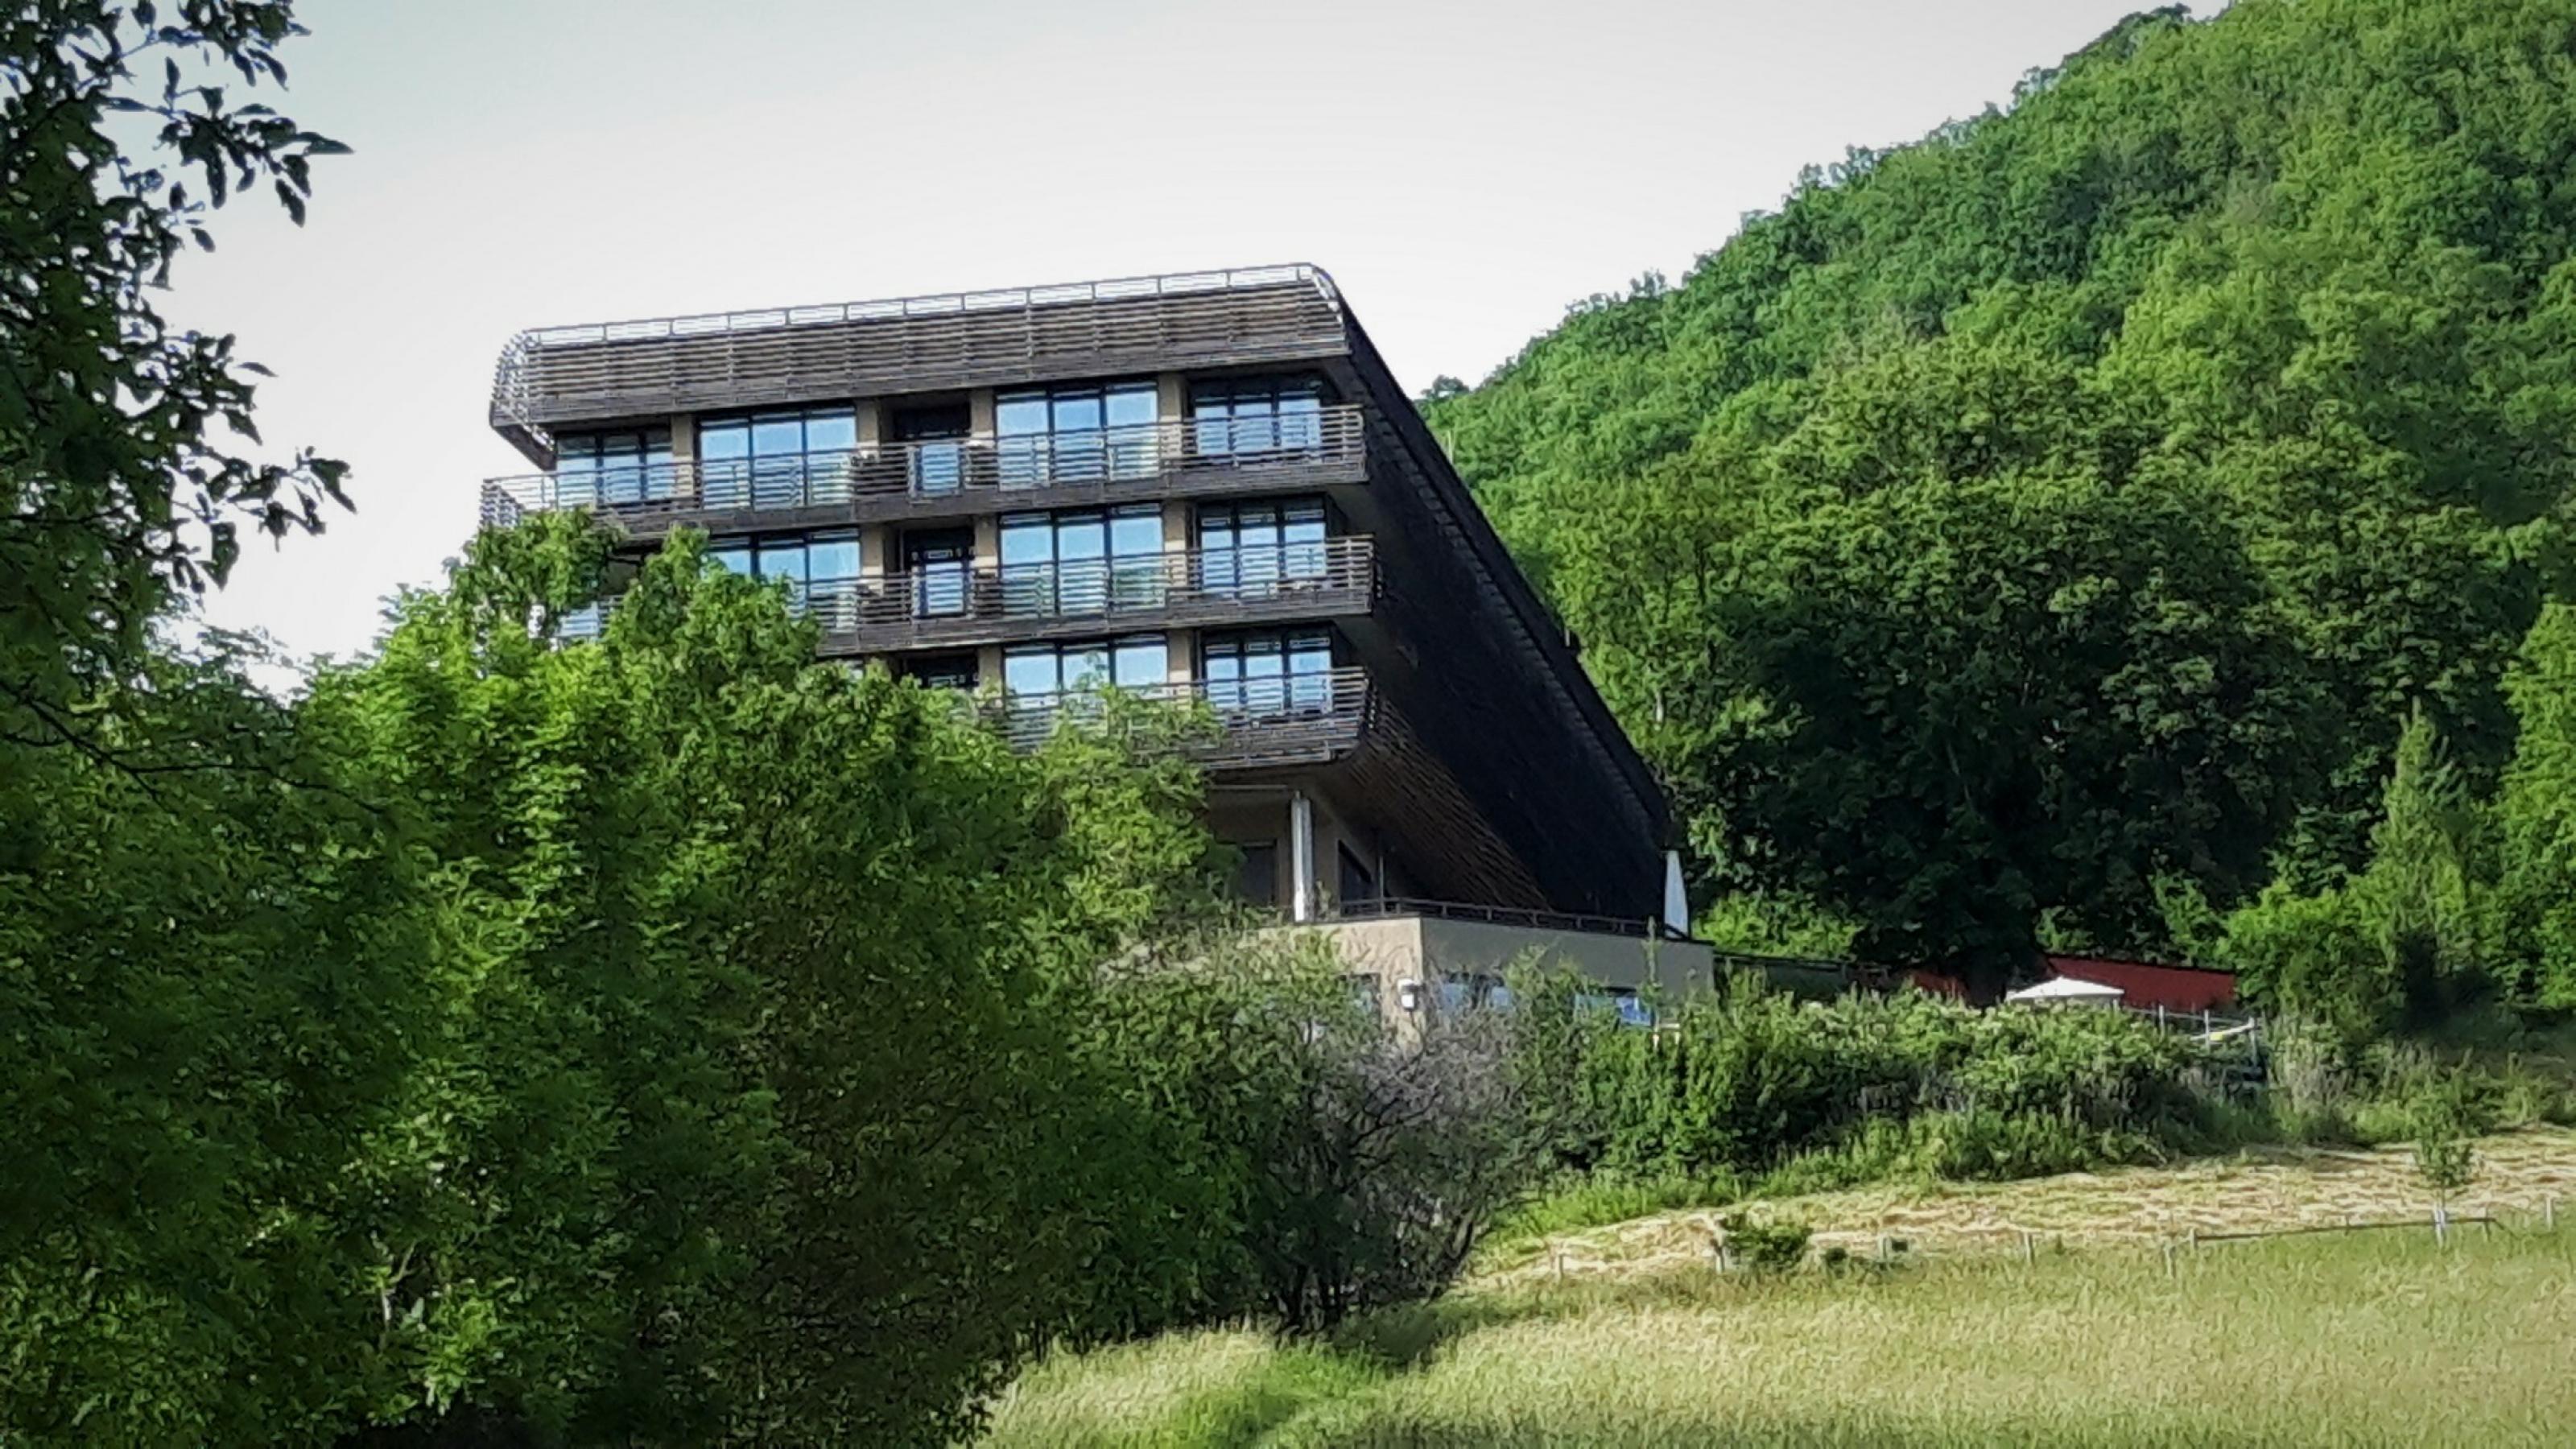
(664, 365)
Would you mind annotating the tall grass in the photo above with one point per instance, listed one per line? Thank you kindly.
(2371, 1339)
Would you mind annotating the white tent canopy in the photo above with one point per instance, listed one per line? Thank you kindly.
(2069, 990)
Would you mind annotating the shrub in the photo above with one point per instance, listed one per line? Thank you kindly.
(1765, 1247)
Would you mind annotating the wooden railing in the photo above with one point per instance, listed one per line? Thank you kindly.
(978, 474)
(796, 354)
(949, 604)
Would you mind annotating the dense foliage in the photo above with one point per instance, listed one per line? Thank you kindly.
(2073, 507)
(1745, 1082)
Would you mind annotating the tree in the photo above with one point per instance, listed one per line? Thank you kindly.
(2398, 944)
(119, 486)
(2536, 811)
(755, 1109)
(2299, 270)
(1953, 701)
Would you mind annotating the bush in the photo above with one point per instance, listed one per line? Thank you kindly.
(1765, 1247)
(1341, 1165)
(1749, 1082)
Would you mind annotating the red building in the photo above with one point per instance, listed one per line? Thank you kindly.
(2144, 984)
(2175, 988)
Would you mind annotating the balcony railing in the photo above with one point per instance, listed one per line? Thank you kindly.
(963, 475)
(1383, 907)
(956, 603)
(1282, 720)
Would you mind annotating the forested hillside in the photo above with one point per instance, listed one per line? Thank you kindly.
(2051, 525)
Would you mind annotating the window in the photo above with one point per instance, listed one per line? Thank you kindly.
(943, 671)
(1474, 993)
(821, 570)
(1256, 880)
(1630, 1008)
(777, 460)
(1269, 672)
(1252, 550)
(1082, 561)
(933, 436)
(1253, 416)
(613, 468)
(1076, 434)
(1039, 670)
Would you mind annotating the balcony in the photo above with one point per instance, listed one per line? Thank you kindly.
(1309, 719)
(560, 375)
(955, 477)
(957, 605)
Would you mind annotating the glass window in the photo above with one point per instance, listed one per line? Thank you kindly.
(821, 570)
(777, 460)
(1268, 672)
(1137, 662)
(611, 469)
(1253, 550)
(1622, 1001)
(1474, 993)
(1083, 432)
(1256, 416)
(944, 671)
(933, 436)
(1083, 561)
(940, 564)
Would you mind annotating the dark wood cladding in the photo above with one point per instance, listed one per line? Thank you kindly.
(950, 478)
(796, 355)
(1500, 698)
(1030, 602)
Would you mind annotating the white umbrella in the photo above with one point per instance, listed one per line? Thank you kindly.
(2068, 989)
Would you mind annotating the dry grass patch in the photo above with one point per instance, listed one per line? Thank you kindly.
(2258, 1190)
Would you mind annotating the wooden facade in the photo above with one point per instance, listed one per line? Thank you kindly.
(1454, 747)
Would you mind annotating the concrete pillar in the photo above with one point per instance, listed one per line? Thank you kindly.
(684, 447)
(1301, 857)
(1181, 656)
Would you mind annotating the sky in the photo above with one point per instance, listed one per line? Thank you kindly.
(1464, 171)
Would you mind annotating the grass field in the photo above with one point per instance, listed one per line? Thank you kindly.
(2373, 1338)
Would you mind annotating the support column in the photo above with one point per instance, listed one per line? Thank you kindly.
(1301, 856)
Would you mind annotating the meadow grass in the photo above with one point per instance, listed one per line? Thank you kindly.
(2370, 1338)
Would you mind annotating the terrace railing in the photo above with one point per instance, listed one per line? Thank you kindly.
(977, 474)
(953, 603)
(1290, 720)
(1568, 921)
(556, 374)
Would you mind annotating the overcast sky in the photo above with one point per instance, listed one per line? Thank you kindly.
(1462, 169)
